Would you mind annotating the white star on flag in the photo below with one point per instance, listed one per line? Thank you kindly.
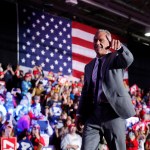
(52, 67)
(33, 37)
(43, 52)
(43, 28)
(43, 17)
(23, 47)
(46, 36)
(47, 60)
(56, 62)
(38, 21)
(60, 68)
(52, 54)
(28, 55)
(38, 57)
(33, 62)
(23, 60)
(60, 22)
(28, 30)
(37, 45)
(28, 43)
(42, 40)
(38, 33)
(33, 50)
(60, 56)
(47, 24)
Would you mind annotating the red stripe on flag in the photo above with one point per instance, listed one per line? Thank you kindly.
(82, 42)
(83, 27)
(81, 58)
(77, 73)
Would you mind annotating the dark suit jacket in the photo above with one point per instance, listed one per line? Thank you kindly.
(112, 85)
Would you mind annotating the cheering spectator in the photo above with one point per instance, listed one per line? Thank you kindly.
(38, 90)
(72, 140)
(8, 76)
(131, 142)
(24, 142)
(35, 137)
(26, 84)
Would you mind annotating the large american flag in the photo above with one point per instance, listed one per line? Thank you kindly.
(56, 43)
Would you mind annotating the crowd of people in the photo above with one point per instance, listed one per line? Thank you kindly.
(39, 109)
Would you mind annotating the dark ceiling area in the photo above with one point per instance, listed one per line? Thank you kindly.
(122, 17)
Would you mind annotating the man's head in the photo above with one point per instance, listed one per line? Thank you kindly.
(102, 41)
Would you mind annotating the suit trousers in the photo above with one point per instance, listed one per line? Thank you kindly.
(104, 122)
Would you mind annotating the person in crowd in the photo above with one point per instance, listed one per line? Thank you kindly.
(2, 116)
(35, 137)
(54, 108)
(38, 90)
(146, 97)
(1, 68)
(18, 77)
(2, 80)
(23, 141)
(72, 140)
(8, 130)
(147, 142)
(3, 89)
(9, 103)
(132, 141)
(23, 121)
(141, 129)
(26, 83)
(105, 102)
(35, 112)
(8, 76)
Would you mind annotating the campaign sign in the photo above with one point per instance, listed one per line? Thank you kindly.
(8, 143)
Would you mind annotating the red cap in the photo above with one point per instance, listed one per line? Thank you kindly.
(80, 84)
(36, 72)
(71, 125)
(142, 113)
(1, 73)
(28, 75)
(74, 85)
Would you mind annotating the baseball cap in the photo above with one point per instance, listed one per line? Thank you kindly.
(71, 125)
(37, 126)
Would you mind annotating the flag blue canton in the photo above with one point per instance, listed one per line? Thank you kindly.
(44, 40)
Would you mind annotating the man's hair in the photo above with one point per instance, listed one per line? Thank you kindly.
(106, 31)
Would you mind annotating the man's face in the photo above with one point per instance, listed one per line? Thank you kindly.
(101, 43)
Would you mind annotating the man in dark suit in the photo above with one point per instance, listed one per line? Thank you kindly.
(105, 102)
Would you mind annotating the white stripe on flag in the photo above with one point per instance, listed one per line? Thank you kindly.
(78, 66)
(83, 51)
(82, 35)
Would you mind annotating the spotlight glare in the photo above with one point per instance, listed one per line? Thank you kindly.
(147, 34)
